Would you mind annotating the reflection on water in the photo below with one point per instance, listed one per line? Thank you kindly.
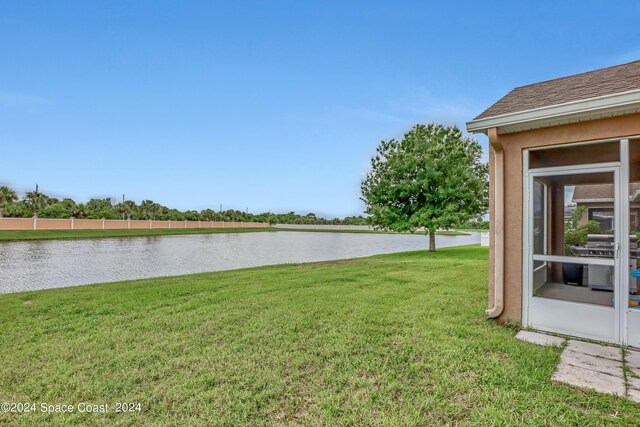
(60, 263)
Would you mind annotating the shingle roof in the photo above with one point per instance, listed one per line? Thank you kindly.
(606, 81)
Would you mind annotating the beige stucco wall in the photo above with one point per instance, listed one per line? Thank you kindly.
(16, 224)
(513, 145)
(113, 224)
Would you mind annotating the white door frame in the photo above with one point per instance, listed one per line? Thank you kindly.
(613, 329)
(630, 317)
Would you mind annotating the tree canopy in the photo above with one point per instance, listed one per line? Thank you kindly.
(37, 203)
(432, 178)
(7, 197)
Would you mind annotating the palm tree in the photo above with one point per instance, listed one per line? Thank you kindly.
(132, 208)
(124, 209)
(159, 211)
(147, 209)
(7, 197)
(79, 211)
(36, 201)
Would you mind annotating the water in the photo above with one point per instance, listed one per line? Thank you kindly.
(33, 265)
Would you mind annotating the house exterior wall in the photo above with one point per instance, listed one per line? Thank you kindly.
(513, 145)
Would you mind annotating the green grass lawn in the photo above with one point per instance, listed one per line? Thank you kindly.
(451, 233)
(388, 340)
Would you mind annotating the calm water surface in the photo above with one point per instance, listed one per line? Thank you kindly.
(60, 263)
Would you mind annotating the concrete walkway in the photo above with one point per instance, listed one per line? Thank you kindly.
(595, 366)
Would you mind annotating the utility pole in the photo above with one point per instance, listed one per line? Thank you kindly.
(220, 207)
(36, 200)
(123, 206)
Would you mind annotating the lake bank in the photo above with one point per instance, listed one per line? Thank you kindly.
(22, 235)
(33, 265)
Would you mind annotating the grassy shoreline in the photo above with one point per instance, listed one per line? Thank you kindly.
(397, 339)
(438, 233)
(18, 235)
(22, 235)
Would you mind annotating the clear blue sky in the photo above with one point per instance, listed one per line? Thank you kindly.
(266, 105)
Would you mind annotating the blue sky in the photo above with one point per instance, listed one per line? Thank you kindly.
(265, 105)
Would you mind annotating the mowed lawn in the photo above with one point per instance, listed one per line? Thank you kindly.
(388, 340)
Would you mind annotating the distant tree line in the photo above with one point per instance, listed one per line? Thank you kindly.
(38, 204)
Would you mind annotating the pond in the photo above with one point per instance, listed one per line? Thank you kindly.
(33, 265)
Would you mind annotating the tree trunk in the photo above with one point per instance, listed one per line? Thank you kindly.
(432, 240)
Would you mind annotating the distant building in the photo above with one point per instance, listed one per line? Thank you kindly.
(599, 201)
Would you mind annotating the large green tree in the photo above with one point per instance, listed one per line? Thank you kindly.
(432, 178)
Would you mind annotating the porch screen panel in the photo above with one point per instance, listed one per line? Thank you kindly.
(539, 232)
(572, 237)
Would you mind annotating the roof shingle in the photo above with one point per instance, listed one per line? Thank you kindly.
(606, 81)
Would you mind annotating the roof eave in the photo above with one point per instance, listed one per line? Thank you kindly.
(553, 115)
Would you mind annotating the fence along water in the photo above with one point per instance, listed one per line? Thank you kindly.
(116, 224)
